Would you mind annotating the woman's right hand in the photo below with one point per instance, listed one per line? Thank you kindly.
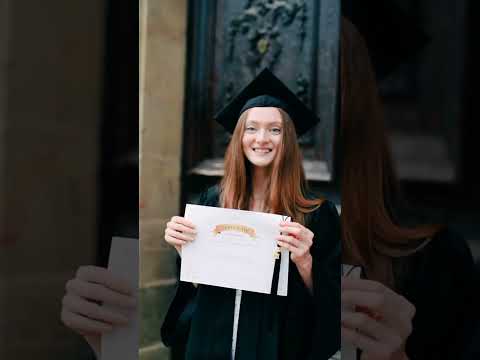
(179, 231)
(81, 306)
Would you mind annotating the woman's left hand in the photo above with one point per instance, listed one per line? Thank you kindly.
(381, 321)
(298, 240)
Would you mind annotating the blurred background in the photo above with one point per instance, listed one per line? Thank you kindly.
(68, 159)
(196, 55)
(429, 109)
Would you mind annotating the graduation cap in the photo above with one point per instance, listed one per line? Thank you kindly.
(266, 90)
(392, 36)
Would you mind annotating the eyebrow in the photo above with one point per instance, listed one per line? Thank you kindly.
(273, 123)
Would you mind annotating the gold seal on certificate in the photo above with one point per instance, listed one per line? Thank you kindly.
(234, 249)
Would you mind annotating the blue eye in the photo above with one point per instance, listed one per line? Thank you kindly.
(276, 131)
(250, 129)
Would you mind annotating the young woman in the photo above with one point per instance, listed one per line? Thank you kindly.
(414, 302)
(263, 172)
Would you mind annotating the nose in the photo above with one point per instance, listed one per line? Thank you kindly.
(262, 136)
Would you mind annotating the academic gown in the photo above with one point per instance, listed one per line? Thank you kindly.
(298, 326)
(441, 281)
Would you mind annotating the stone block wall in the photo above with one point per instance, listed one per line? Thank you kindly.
(162, 68)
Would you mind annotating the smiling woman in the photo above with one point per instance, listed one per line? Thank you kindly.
(262, 137)
(264, 173)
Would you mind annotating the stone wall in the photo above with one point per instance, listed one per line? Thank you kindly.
(162, 68)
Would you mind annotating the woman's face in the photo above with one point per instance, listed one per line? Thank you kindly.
(263, 135)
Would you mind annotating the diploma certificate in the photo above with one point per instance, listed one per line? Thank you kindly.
(235, 249)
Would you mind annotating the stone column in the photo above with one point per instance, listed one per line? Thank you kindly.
(162, 68)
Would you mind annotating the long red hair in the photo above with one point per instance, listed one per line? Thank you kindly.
(371, 235)
(287, 189)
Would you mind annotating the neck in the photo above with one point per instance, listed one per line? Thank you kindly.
(260, 182)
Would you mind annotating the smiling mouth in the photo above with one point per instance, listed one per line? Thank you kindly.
(262, 151)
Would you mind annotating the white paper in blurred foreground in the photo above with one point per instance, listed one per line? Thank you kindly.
(349, 352)
(122, 343)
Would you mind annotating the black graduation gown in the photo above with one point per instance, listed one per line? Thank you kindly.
(298, 326)
(440, 281)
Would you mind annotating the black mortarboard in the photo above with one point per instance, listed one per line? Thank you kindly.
(392, 36)
(266, 90)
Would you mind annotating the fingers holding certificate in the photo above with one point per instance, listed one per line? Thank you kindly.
(179, 231)
(296, 238)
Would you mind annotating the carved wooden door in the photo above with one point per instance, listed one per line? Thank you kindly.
(232, 41)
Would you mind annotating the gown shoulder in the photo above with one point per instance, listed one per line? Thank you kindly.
(210, 196)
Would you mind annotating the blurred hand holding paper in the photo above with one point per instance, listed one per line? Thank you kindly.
(349, 351)
(234, 249)
(123, 343)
